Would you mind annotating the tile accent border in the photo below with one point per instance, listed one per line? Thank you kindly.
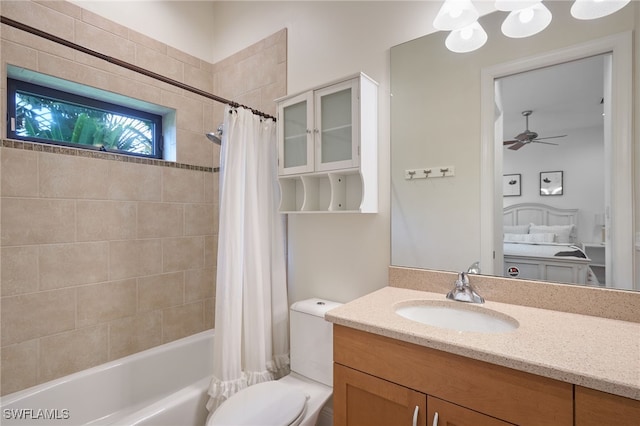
(85, 153)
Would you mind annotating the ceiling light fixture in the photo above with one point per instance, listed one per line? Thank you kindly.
(526, 18)
(511, 5)
(526, 22)
(466, 39)
(593, 9)
(455, 14)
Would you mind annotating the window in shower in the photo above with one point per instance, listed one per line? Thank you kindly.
(44, 114)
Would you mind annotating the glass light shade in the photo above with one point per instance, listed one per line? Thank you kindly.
(511, 5)
(526, 22)
(466, 39)
(455, 14)
(593, 9)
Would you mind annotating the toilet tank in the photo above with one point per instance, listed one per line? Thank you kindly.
(311, 340)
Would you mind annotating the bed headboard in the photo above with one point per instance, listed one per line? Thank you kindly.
(540, 214)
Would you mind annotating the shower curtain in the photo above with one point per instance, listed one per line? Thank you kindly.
(251, 318)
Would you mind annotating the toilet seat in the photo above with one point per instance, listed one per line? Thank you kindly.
(268, 404)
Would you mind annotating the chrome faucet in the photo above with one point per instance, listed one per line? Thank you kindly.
(463, 292)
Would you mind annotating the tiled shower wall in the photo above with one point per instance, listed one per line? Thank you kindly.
(102, 255)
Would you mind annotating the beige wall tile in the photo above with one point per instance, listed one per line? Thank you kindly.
(103, 23)
(194, 148)
(19, 173)
(35, 221)
(160, 220)
(19, 270)
(106, 220)
(65, 265)
(211, 187)
(73, 351)
(30, 41)
(210, 251)
(189, 114)
(39, 16)
(182, 321)
(181, 185)
(67, 176)
(199, 284)
(160, 291)
(197, 77)
(28, 316)
(135, 182)
(19, 366)
(19, 55)
(210, 313)
(106, 42)
(200, 219)
(183, 253)
(134, 258)
(160, 63)
(71, 70)
(104, 302)
(135, 334)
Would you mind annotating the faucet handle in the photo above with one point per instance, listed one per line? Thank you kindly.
(463, 279)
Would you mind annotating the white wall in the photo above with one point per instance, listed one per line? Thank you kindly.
(185, 25)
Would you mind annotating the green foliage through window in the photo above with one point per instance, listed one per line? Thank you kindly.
(42, 114)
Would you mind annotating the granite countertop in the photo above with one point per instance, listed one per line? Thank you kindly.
(594, 352)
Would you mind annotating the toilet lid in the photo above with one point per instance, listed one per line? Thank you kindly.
(266, 404)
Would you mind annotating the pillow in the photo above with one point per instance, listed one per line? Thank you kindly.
(530, 238)
(517, 229)
(563, 232)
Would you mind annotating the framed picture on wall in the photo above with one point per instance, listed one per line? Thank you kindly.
(551, 183)
(511, 185)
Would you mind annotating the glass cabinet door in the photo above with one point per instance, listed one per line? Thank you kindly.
(337, 126)
(296, 144)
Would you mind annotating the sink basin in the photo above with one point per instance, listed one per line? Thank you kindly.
(457, 316)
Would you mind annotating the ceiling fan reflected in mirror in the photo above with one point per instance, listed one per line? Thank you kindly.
(528, 136)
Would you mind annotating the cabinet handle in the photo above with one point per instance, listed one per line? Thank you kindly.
(435, 419)
(308, 131)
(415, 416)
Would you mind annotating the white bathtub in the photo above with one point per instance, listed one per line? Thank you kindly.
(162, 386)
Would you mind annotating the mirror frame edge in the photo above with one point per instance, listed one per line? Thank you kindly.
(491, 166)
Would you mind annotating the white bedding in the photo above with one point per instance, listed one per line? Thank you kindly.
(543, 250)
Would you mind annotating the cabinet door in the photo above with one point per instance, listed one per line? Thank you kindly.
(443, 413)
(595, 408)
(337, 124)
(295, 133)
(363, 400)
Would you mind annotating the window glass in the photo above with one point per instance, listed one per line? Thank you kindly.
(42, 114)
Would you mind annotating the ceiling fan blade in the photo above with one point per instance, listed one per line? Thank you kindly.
(510, 142)
(517, 146)
(547, 143)
(551, 137)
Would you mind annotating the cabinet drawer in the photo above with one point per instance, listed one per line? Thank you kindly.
(511, 395)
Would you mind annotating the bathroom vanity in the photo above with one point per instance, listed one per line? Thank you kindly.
(555, 368)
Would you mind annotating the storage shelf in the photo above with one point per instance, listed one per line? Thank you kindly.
(338, 171)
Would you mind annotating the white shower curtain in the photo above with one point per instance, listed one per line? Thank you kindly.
(251, 318)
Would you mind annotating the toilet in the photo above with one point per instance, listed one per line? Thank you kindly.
(297, 398)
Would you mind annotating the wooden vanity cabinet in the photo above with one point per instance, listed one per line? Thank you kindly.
(373, 372)
(595, 408)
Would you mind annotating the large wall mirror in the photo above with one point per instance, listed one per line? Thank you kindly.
(556, 206)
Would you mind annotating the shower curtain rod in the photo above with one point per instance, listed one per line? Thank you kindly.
(127, 65)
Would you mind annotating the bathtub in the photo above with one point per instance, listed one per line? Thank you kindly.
(162, 386)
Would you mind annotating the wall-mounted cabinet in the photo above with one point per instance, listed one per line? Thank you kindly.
(327, 148)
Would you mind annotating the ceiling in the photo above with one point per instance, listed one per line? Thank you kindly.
(562, 97)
